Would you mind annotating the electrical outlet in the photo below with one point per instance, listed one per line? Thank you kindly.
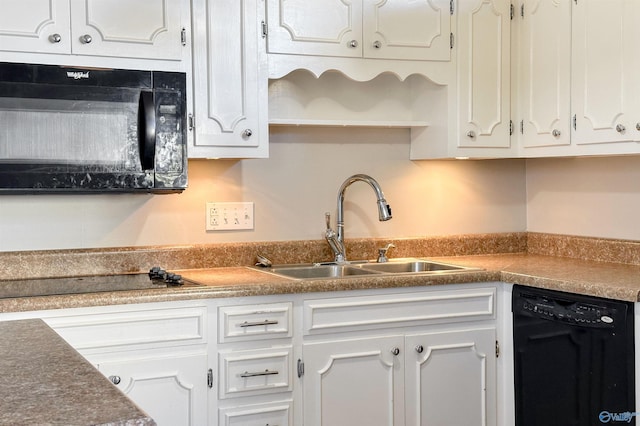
(229, 216)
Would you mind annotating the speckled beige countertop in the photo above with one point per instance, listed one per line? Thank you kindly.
(604, 279)
(591, 266)
(44, 381)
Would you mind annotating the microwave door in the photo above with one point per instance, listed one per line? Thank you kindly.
(99, 139)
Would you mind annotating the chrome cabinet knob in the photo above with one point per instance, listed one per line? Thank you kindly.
(86, 39)
(115, 379)
(471, 134)
(620, 128)
(353, 44)
(247, 133)
(556, 133)
(637, 126)
(55, 38)
(419, 349)
(377, 44)
(395, 351)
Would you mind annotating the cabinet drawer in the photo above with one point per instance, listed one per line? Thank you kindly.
(254, 322)
(153, 327)
(255, 372)
(353, 313)
(276, 414)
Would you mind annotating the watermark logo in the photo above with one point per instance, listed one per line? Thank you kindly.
(77, 75)
(625, 417)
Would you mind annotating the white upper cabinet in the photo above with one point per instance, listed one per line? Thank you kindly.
(360, 38)
(230, 80)
(149, 29)
(605, 67)
(35, 26)
(145, 29)
(393, 29)
(543, 93)
(406, 29)
(319, 27)
(483, 49)
(577, 92)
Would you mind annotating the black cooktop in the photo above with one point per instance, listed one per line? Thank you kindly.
(157, 278)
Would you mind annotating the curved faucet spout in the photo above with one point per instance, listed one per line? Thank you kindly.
(384, 210)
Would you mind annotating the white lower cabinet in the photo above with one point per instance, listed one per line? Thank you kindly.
(255, 379)
(450, 377)
(416, 359)
(354, 382)
(444, 378)
(170, 388)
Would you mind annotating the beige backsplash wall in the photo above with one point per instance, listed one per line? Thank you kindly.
(594, 197)
(291, 191)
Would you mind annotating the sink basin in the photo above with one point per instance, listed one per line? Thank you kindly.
(319, 271)
(363, 268)
(403, 267)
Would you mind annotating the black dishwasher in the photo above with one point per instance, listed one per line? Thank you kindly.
(573, 359)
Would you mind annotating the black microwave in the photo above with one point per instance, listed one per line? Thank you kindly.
(75, 129)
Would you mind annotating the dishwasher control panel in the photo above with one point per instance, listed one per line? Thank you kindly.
(566, 310)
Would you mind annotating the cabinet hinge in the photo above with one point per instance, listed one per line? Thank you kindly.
(300, 368)
(510, 127)
(511, 11)
(522, 127)
(191, 122)
(497, 349)
(183, 36)
(265, 29)
(451, 40)
(451, 7)
(522, 10)
(210, 378)
(575, 122)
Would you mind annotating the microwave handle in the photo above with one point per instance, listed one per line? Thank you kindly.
(147, 130)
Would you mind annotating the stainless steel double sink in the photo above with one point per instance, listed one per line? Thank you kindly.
(331, 270)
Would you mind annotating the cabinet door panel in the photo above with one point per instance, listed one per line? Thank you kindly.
(545, 73)
(230, 80)
(450, 378)
(172, 389)
(127, 28)
(483, 73)
(318, 27)
(354, 382)
(407, 29)
(604, 49)
(30, 26)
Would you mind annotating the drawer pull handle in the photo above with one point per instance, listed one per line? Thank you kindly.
(258, 323)
(259, 373)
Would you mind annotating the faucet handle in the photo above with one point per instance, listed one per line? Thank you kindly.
(327, 219)
(382, 253)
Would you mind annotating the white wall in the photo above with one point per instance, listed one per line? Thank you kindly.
(596, 197)
(291, 190)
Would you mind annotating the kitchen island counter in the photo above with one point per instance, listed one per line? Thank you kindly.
(45, 381)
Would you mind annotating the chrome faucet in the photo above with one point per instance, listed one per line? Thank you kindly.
(336, 239)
